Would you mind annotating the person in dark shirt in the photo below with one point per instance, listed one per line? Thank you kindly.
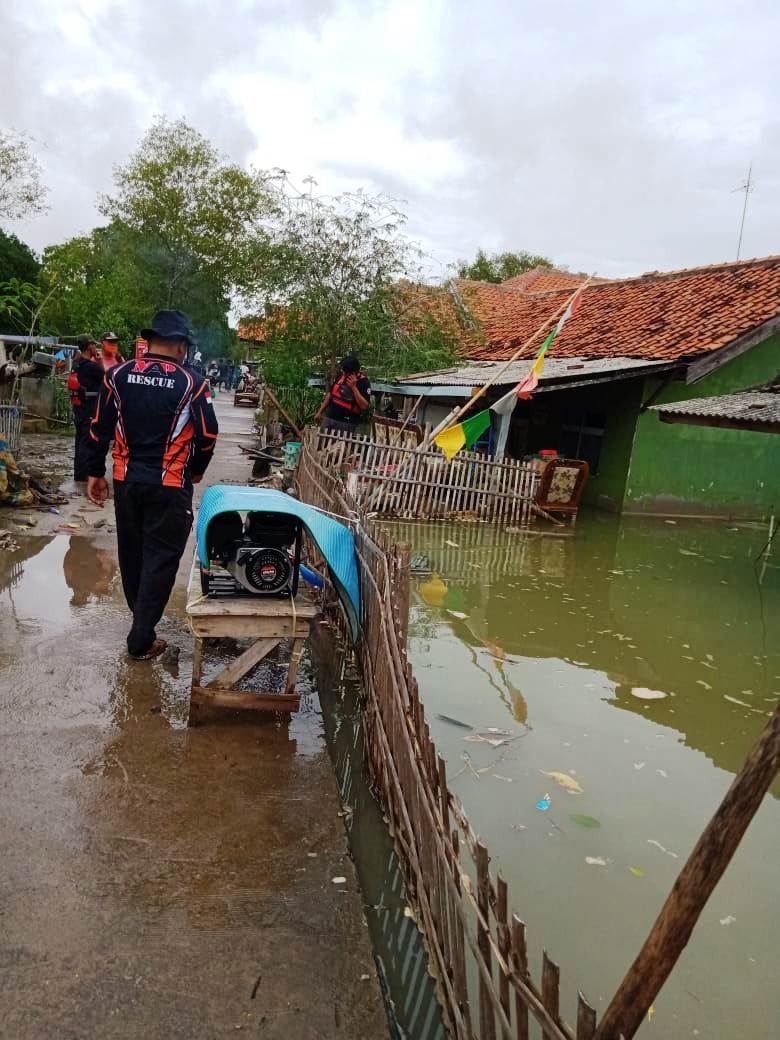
(84, 383)
(347, 399)
(160, 416)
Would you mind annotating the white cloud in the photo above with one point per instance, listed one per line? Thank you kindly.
(607, 136)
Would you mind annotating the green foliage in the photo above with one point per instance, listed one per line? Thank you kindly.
(17, 260)
(300, 402)
(22, 193)
(114, 278)
(498, 267)
(197, 216)
(334, 282)
(20, 304)
(184, 232)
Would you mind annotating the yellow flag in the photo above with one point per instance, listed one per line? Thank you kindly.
(451, 441)
(463, 435)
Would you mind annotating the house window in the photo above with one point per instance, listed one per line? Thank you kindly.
(581, 437)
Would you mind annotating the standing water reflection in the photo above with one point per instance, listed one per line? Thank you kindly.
(543, 637)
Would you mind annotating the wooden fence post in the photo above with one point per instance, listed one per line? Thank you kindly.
(712, 854)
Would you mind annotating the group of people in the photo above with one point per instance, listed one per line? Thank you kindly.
(158, 413)
(90, 365)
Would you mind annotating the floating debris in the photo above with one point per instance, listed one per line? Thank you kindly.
(658, 845)
(458, 614)
(7, 542)
(544, 803)
(728, 919)
(637, 871)
(645, 694)
(595, 861)
(454, 722)
(339, 880)
(584, 821)
(565, 781)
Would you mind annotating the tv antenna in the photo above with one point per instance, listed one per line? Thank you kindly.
(746, 187)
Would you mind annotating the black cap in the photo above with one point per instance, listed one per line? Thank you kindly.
(169, 325)
(350, 364)
(85, 341)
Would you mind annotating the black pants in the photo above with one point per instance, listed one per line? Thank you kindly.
(82, 417)
(152, 527)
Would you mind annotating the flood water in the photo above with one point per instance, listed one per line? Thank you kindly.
(640, 659)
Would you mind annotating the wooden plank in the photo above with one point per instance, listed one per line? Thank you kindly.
(487, 1020)
(551, 974)
(519, 961)
(706, 864)
(248, 627)
(586, 1019)
(502, 935)
(242, 665)
(253, 607)
(245, 701)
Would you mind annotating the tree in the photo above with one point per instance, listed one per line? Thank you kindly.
(196, 217)
(498, 267)
(333, 283)
(22, 193)
(114, 278)
(17, 260)
(19, 267)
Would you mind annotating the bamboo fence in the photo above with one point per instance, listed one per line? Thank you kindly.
(420, 484)
(477, 948)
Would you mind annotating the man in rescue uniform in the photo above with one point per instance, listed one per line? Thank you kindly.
(160, 416)
(109, 351)
(347, 399)
(84, 383)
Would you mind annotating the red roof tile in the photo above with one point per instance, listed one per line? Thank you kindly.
(544, 279)
(671, 316)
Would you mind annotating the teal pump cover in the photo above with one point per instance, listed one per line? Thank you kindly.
(334, 539)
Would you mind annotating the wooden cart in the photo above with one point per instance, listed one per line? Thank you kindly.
(267, 621)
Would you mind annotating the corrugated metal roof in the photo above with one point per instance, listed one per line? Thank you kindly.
(479, 372)
(750, 407)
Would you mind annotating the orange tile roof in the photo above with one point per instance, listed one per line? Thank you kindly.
(545, 279)
(665, 317)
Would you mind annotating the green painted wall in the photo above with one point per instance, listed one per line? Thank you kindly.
(620, 401)
(696, 470)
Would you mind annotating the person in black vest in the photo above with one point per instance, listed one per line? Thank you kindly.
(84, 383)
(160, 416)
(347, 399)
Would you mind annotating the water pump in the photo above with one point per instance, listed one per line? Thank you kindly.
(261, 554)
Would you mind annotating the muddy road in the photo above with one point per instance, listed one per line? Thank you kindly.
(159, 881)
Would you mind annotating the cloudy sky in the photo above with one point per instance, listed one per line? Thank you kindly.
(608, 135)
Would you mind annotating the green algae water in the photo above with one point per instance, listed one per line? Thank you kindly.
(631, 664)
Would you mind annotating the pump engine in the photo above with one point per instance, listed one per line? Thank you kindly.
(261, 554)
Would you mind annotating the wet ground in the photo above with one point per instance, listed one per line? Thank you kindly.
(637, 660)
(158, 881)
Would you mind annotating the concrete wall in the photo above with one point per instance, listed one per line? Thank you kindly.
(695, 470)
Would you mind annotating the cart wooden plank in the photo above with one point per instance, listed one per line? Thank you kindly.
(244, 700)
(244, 664)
